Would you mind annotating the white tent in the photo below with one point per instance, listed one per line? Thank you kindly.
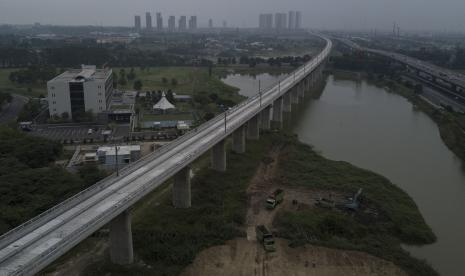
(163, 104)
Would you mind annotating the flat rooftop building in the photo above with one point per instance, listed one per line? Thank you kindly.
(77, 91)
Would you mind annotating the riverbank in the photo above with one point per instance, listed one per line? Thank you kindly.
(451, 124)
(387, 218)
(166, 240)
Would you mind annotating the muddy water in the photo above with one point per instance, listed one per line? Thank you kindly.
(371, 128)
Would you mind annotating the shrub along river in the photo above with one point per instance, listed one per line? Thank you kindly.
(375, 129)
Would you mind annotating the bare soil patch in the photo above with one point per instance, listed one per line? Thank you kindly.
(243, 257)
(247, 256)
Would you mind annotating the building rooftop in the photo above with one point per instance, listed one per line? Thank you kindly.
(86, 73)
(122, 150)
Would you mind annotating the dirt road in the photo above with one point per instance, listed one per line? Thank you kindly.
(243, 257)
(247, 257)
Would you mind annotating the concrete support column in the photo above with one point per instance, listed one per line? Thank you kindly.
(238, 142)
(253, 128)
(278, 111)
(265, 118)
(294, 95)
(287, 101)
(218, 157)
(182, 188)
(301, 89)
(121, 251)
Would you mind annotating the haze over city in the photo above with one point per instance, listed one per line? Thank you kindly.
(221, 137)
(420, 15)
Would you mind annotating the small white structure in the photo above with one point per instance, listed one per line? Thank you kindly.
(163, 104)
(181, 125)
(90, 157)
(120, 154)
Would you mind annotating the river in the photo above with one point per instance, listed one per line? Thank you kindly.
(374, 129)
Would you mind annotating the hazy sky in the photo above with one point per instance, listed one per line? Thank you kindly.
(328, 14)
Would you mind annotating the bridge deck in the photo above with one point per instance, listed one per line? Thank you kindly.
(32, 246)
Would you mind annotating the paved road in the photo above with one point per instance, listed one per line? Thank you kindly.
(32, 246)
(11, 111)
(437, 97)
(436, 71)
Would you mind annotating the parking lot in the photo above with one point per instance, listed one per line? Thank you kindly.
(70, 133)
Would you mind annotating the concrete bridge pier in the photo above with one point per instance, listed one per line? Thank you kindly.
(265, 118)
(295, 94)
(278, 112)
(218, 156)
(287, 102)
(121, 251)
(301, 89)
(238, 141)
(253, 128)
(182, 188)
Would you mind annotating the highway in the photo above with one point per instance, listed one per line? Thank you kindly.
(29, 248)
(431, 69)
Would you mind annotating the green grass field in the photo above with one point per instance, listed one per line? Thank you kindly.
(190, 80)
(27, 90)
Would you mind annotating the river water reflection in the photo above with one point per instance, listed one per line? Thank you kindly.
(373, 129)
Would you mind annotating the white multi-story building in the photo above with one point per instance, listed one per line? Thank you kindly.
(80, 90)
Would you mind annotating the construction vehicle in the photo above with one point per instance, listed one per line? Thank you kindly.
(274, 199)
(265, 237)
(354, 202)
(325, 203)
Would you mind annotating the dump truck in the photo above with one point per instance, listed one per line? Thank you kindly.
(274, 199)
(265, 237)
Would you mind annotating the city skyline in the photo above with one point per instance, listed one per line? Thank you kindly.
(415, 14)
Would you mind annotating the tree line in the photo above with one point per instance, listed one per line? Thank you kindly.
(75, 55)
(30, 182)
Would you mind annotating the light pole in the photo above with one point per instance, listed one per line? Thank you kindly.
(225, 111)
(116, 160)
(260, 91)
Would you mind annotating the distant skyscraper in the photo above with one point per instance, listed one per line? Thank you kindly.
(172, 23)
(292, 20)
(298, 20)
(137, 23)
(148, 21)
(182, 23)
(280, 21)
(210, 23)
(193, 23)
(261, 21)
(225, 24)
(266, 21)
(159, 22)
